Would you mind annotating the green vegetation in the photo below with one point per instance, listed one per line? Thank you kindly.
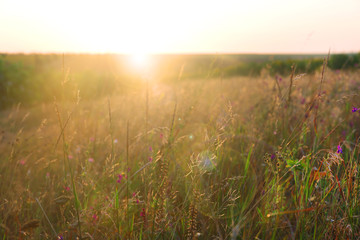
(271, 156)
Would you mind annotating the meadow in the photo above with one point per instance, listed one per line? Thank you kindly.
(271, 155)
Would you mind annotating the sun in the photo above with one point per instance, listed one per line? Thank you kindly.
(140, 61)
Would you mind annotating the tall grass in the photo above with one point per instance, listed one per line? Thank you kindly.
(256, 158)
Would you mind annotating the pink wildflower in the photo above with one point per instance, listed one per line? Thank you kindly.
(120, 177)
(95, 218)
(143, 214)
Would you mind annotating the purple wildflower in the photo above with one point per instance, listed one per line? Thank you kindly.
(354, 109)
(343, 133)
(91, 160)
(339, 149)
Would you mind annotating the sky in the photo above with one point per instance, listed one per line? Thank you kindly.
(187, 26)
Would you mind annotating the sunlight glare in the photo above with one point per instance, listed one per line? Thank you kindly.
(139, 60)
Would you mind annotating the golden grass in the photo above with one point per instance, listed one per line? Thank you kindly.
(191, 160)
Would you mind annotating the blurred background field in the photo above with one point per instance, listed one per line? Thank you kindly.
(186, 147)
(36, 78)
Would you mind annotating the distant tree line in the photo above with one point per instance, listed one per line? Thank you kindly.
(283, 67)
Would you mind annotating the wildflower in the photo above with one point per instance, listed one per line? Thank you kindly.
(339, 149)
(134, 194)
(48, 175)
(278, 78)
(150, 159)
(142, 214)
(60, 237)
(66, 188)
(92, 139)
(70, 156)
(91, 160)
(354, 109)
(22, 162)
(116, 141)
(95, 218)
(120, 177)
(272, 156)
(302, 101)
(150, 149)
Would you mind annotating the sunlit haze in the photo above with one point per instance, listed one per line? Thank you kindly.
(142, 27)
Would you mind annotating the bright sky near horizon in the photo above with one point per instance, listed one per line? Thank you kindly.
(188, 26)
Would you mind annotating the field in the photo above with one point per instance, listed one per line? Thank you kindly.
(262, 156)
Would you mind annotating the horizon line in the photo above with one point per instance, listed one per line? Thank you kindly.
(174, 53)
